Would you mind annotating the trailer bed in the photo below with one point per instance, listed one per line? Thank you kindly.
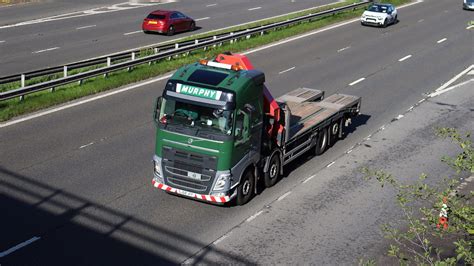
(308, 114)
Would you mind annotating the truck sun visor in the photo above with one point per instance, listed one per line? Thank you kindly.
(207, 77)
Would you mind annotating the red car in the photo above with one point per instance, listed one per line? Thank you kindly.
(169, 22)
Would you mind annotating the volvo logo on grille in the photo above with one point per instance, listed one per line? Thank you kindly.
(190, 140)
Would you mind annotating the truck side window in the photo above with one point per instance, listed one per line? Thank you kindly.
(239, 125)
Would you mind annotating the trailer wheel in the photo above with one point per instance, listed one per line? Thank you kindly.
(271, 176)
(245, 188)
(322, 142)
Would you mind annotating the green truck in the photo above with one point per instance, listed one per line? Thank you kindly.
(219, 130)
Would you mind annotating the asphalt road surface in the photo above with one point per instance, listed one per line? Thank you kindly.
(76, 184)
(46, 34)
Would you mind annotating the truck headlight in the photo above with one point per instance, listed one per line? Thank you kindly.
(222, 181)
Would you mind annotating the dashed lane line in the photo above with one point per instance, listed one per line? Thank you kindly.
(343, 49)
(404, 58)
(45, 50)
(286, 70)
(210, 5)
(284, 196)
(442, 40)
(19, 246)
(133, 32)
(357, 81)
(254, 216)
(199, 19)
(254, 8)
(86, 27)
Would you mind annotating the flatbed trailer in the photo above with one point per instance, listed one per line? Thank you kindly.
(219, 129)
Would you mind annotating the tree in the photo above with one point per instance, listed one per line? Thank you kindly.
(422, 208)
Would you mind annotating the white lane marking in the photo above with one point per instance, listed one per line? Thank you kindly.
(471, 72)
(286, 70)
(45, 50)
(220, 239)
(309, 178)
(85, 27)
(442, 40)
(211, 5)
(404, 58)
(133, 32)
(445, 85)
(17, 247)
(357, 81)
(329, 165)
(254, 8)
(450, 88)
(254, 216)
(349, 151)
(26, 118)
(421, 20)
(422, 100)
(82, 102)
(470, 27)
(399, 117)
(199, 19)
(284, 195)
(2, 41)
(343, 49)
(83, 146)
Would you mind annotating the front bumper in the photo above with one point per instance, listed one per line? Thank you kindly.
(371, 21)
(208, 198)
(468, 7)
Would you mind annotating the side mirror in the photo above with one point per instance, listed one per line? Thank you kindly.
(156, 113)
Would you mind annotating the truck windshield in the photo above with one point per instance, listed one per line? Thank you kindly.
(197, 116)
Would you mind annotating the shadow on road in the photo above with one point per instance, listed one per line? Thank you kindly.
(77, 231)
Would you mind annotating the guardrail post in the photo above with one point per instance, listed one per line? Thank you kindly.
(248, 36)
(214, 38)
(196, 41)
(65, 71)
(22, 97)
(176, 45)
(52, 89)
(22, 80)
(133, 58)
(231, 40)
(109, 63)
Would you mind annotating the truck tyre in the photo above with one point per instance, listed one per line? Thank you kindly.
(246, 188)
(322, 142)
(334, 131)
(271, 176)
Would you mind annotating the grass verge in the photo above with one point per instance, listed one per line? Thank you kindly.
(44, 99)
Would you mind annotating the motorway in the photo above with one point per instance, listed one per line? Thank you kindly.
(76, 184)
(78, 31)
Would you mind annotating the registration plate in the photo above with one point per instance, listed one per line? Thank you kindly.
(152, 22)
(195, 176)
(186, 193)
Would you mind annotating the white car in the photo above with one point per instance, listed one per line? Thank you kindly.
(379, 15)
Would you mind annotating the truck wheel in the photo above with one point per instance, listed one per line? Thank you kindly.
(245, 188)
(271, 176)
(322, 142)
(334, 131)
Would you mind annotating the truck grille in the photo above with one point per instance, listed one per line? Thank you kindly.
(189, 171)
